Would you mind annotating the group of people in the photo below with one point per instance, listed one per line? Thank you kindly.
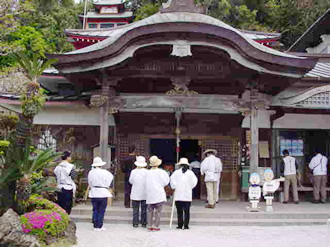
(319, 168)
(146, 190)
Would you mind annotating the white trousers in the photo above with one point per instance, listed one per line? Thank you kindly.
(211, 188)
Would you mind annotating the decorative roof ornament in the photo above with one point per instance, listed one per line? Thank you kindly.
(178, 90)
(182, 6)
(98, 100)
(181, 86)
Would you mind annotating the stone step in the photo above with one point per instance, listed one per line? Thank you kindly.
(209, 214)
(226, 213)
(220, 215)
(211, 222)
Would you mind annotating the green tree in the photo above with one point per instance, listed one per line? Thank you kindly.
(287, 17)
(146, 10)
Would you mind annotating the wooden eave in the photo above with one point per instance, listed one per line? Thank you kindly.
(205, 32)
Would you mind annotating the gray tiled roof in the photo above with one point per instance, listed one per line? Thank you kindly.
(321, 69)
(106, 32)
(109, 2)
(107, 16)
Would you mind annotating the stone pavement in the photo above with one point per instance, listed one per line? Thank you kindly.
(120, 235)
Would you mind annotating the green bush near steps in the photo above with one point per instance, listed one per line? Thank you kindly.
(44, 219)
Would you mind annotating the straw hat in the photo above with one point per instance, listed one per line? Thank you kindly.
(140, 161)
(154, 161)
(183, 161)
(98, 162)
(210, 151)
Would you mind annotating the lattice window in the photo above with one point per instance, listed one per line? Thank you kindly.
(317, 100)
(141, 147)
(47, 141)
(227, 151)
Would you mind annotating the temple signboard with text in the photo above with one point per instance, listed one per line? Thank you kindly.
(294, 146)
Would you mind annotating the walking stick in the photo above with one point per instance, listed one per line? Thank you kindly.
(172, 211)
(109, 202)
(86, 194)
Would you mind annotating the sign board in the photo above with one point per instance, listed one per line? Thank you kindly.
(295, 147)
(109, 10)
(263, 149)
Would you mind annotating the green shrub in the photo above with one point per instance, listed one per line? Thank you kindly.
(47, 218)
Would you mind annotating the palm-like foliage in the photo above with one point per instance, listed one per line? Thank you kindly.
(24, 166)
(34, 67)
(33, 95)
(42, 160)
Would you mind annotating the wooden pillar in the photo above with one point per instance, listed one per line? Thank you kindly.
(104, 131)
(254, 159)
(106, 93)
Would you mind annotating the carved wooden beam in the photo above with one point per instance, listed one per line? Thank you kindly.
(207, 102)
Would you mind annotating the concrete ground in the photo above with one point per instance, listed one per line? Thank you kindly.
(124, 235)
(199, 236)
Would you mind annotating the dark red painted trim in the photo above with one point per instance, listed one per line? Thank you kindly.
(86, 37)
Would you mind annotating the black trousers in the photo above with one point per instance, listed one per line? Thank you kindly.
(136, 206)
(183, 207)
(64, 199)
(128, 188)
(99, 207)
(197, 190)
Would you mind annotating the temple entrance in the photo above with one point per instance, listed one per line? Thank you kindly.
(165, 149)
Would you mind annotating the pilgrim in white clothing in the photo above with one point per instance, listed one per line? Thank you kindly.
(289, 168)
(212, 167)
(183, 181)
(67, 188)
(156, 180)
(138, 191)
(99, 181)
(319, 167)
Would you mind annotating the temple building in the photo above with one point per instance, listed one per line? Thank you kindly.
(180, 82)
(107, 15)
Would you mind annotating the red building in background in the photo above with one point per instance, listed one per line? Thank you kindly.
(108, 15)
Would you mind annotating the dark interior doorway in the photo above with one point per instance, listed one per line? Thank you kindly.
(189, 149)
(165, 149)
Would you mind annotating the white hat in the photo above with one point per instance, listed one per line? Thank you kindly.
(183, 161)
(98, 162)
(140, 161)
(154, 161)
(210, 151)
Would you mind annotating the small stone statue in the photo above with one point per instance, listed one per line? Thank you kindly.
(269, 188)
(254, 192)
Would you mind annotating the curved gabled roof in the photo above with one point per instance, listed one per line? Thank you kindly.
(176, 17)
(107, 32)
(180, 22)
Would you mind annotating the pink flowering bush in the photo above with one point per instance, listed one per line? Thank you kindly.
(47, 218)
